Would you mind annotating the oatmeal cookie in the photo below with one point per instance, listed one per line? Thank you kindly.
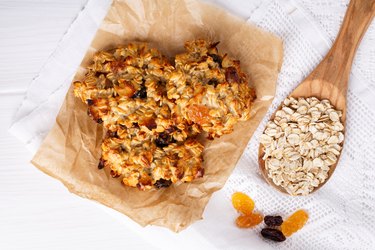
(153, 111)
(126, 86)
(146, 162)
(209, 89)
(146, 144)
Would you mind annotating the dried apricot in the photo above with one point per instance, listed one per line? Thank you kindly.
(198, 114)
(243, 203)
(251, 220)
(294, 223)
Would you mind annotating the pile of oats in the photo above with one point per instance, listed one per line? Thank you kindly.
(301, 143)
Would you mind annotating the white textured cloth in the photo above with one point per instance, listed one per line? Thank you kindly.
(342, 213)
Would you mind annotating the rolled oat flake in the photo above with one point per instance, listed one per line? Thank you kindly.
(301, 144)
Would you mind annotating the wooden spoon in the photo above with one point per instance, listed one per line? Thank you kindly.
(330, 78)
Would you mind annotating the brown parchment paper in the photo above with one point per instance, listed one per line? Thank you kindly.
(71, 150)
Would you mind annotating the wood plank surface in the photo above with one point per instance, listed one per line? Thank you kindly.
(36, 211)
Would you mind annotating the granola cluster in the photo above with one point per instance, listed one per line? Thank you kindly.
(153, 111)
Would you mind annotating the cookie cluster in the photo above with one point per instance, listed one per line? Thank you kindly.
(153, 111)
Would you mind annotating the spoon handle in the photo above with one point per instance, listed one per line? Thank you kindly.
(335, 67)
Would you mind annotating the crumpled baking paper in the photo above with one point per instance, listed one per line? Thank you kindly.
(71, 150)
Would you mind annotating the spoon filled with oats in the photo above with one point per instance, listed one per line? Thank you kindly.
(302, 142)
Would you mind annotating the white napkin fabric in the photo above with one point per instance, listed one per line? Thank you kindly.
(341, 213)
(45, 95)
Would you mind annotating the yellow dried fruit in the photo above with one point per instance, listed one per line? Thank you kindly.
(294, 223)
(246, 221)
(243, 203)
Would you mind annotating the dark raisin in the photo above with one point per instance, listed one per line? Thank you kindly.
(231, 75)
(210, 137)
(99, 120)
(135, 124)
(162, 183)
(170, 130)
(162, 82)
(180, 174)
(108, 84)
(163, 140)
(112, 134)
(213, 81)
(217, 59)
(141, 93)
(149, 123)
(101, 164)
(90, 102)
(203, 59)
(115, 174)
(144, 66)
(273, 234)
(273, 221)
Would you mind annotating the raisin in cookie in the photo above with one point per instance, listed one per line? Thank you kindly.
(209, 89)
(146, 162)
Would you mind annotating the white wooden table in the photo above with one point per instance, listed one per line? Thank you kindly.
(37, 212)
